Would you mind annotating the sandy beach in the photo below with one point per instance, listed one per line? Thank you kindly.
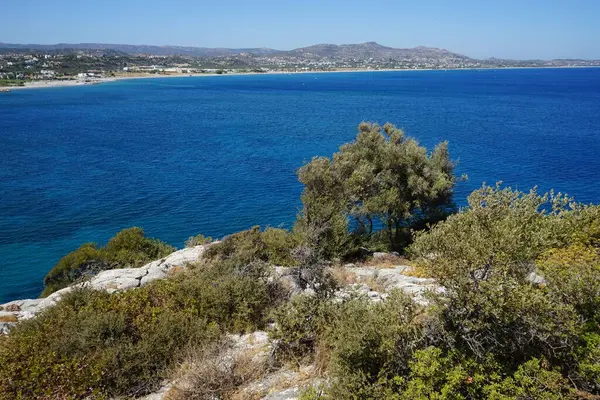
(81, 82)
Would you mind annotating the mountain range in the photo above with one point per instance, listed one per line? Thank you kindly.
(360, 51)
(133, 49)
(323, 56)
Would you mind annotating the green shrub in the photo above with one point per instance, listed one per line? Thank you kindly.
(371, 345)
(381, 179)
(435, 374)
(573, 276)
(300, 324)
(279, 244)
(198, 240)
(100, 345)
(128, 248)
(272, 245)
(87, 259)
(511, 320)
(587, 375)
(131, 249)
(582, 225)
(533, 380)
(501, 232)
(484, 256)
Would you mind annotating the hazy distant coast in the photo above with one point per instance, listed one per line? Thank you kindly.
(92, 63)
(80, 82)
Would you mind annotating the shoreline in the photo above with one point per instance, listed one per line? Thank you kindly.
(77, 82)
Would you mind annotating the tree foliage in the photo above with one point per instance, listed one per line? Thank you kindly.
(127, 249)
(382, 178)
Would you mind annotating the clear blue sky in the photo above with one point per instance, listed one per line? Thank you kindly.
(478, 28)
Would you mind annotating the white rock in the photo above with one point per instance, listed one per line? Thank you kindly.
(113, 280)
(536, 278)
(118, 279)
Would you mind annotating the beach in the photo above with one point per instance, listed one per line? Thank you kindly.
(87, 81)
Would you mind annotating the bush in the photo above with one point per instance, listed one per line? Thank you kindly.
(198, 240)
(272, 246)
(99, 345)
(434, 374)
(131, 249)
(573, 276)
(127, 249)
(300, 324)
(501, 232)
(364, 345)
(485, 255)
(381, 179)
(532, 380)
(371, 344)
(215, 373)
(310, 271)
(587, 355)
(86, 260)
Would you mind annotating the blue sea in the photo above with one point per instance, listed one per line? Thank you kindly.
(214, 155)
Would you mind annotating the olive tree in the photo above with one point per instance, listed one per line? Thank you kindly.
(383, 179)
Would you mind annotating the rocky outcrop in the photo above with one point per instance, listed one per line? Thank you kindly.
(111, 281)
(374, 282)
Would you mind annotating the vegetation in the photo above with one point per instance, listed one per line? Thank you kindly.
(383, 179)
(498, 331)
(518, 317)
(272, 246)
(127, 249)
(198, 240)
(12, 82)
(100, 345)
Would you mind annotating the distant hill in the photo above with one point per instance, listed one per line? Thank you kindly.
(345, 55)
(370, 50)
(362, 51)
(141, 49)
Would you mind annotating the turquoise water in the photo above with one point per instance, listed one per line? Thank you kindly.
(215, 155)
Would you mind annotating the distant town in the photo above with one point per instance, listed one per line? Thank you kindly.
(89, 63)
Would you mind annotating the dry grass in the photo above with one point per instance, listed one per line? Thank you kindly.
(216, 373)
(176, 270)
(322, 358)
(343, 276)
(388, 261)
(8, 318)
(376, 283)
(417, 272)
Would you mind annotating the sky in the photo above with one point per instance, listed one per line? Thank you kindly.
(520, 29)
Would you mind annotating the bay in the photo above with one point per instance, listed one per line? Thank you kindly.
(215, 155)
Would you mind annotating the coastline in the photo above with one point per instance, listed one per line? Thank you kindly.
(79, 82)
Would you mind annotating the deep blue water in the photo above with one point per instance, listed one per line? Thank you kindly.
(215, 155)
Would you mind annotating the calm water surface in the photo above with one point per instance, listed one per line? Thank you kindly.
(215, 155)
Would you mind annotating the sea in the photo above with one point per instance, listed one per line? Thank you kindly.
(219, 154)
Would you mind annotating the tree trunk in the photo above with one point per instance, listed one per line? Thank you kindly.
(390, 233)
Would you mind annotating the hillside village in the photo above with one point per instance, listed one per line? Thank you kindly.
(20, 64)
